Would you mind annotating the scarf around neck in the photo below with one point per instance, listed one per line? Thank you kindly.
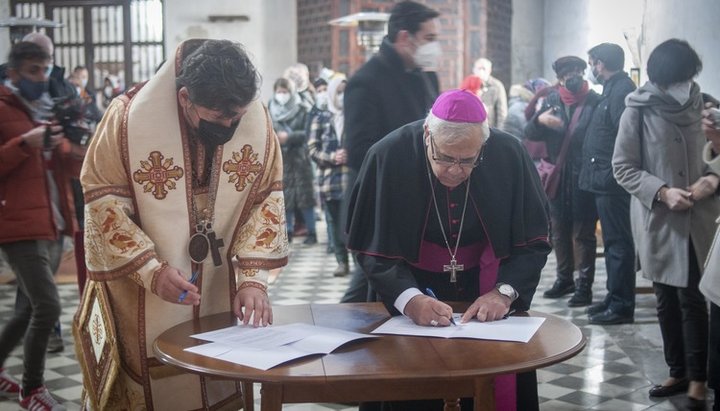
(284, 112)
(569, 99)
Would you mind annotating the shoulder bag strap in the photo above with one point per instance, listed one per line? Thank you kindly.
(568, 135)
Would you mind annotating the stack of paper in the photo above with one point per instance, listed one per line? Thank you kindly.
(266, 347)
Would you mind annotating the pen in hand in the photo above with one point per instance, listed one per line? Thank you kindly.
(193, 278)
(430, 293)
(509, 313)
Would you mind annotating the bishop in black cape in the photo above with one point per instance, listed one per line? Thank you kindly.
(393, 228)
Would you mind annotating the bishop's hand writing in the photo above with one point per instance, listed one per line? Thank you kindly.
(428, 311)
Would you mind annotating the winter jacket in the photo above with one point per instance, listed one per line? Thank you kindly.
(25, 208)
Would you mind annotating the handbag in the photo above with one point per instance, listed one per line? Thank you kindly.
(549, 172)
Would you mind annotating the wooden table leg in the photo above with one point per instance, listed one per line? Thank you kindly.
(271, 396)
(248, 400)
(484, 394)
(452, 404)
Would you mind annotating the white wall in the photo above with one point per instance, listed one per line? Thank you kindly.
(269, 36)
(693, 20)
(571, 27)
(527, 40)
(4, 31)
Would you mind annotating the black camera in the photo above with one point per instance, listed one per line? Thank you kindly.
(70, 113)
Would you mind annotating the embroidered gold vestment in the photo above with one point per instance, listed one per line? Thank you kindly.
(137, 180)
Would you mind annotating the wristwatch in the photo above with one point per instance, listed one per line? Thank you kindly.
(507, 290)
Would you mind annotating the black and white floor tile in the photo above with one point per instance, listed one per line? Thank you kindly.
(614, 372)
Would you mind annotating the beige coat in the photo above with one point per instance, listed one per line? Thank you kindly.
(667, 153)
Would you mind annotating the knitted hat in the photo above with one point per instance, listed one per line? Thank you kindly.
(459, 106)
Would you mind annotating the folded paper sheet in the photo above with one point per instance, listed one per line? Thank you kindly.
(267, 347)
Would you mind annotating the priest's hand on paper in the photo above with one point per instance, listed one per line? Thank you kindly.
(425, 310)
(253, 303)
(703, 187)
(489, 307)
(170, 284)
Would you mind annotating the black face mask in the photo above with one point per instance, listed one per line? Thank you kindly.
(213, 134)
(574, 84)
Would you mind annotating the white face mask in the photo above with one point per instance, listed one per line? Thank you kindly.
(83, 83)
(591, 77)
(321, 100)
(282, 98)
(108, 91)
(680, 91)
(339, 99)
(482, 73)
(427, 55)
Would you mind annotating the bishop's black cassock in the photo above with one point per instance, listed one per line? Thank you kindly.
(393, 226)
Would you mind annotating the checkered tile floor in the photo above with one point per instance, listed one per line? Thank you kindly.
(614, 372)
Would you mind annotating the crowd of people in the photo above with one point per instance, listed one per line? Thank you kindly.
(192, 190)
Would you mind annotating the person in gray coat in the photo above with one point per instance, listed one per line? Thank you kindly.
(658, 160)
(710, 283)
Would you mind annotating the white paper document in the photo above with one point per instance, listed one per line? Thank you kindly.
(267, 347)
(520, 329)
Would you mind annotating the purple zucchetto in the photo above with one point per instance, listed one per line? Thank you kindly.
(459, 106)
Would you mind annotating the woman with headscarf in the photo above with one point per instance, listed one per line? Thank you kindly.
(325, 143)
(519, 97)
(658, 160)
(561, 123)
(289, 117)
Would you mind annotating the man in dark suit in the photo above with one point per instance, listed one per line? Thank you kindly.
(393, 88)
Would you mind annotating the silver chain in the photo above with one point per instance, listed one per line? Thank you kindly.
(437, 212)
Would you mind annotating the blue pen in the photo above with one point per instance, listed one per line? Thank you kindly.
(430, 293)
(193, 278)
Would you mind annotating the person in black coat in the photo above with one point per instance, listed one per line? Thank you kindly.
(389, 91)
(572, 211)
(612, 201)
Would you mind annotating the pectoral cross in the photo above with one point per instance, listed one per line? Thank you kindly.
(215, 244)
(453, 268)
(204, 241)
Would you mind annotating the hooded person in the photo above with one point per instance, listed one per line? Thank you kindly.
(449, 204)
(658, 160)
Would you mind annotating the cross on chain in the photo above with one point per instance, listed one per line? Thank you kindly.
(215, 244)
(453, 268)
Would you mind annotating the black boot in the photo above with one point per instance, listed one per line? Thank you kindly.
(583, 294)
(560, 288)
(310, 239)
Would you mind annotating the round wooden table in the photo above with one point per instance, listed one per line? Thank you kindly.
(383, 369)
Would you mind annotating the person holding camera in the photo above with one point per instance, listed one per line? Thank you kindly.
(562, 123)
(35, 160)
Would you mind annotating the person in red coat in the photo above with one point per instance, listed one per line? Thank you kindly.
(35, 210)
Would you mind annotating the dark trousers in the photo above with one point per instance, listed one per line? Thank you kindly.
(682, 314)
(358, 290)
(575, 245)
(37, 306)
(614, 213)
(714, 353)
(309, 217)
(333, 208)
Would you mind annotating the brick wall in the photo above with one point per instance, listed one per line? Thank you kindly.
(469, 29)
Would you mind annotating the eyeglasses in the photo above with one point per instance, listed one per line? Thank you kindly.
(447, 161)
